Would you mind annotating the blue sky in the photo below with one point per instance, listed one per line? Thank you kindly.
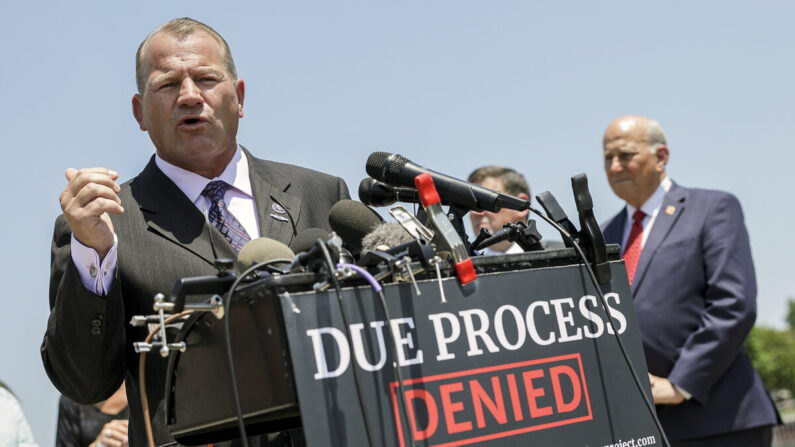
(450, 84)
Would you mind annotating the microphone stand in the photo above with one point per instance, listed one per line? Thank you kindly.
(455, 214)
(525, 235)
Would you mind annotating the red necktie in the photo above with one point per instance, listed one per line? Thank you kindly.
(633, 248)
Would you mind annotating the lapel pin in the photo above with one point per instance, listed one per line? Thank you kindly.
(278, 208)
(279, 217)
(670, 210)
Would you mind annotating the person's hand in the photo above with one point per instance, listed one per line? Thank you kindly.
(664, 392)
(113, 434)
(86, 201)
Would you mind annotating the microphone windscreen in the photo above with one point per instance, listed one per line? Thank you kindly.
(385, 236)
(352, 221)
(307, 239)
(262, 249)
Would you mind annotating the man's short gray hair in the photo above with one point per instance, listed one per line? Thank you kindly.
(181, 28)
(655, 137)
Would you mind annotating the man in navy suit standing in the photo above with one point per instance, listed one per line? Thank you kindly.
(689, 264)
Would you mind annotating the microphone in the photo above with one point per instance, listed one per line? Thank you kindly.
(556, 213)
(385, 236)
(311, 258)
(255, 251)
(353, 220)
(590, 233)
(260, 250)
(375, 193)
(394, 169)
(390, 242)
(308, 239)
(526, 235)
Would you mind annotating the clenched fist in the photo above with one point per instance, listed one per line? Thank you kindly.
(86, 201)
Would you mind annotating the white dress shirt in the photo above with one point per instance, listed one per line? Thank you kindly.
(98, 277)
(651, 207)
(512, 250)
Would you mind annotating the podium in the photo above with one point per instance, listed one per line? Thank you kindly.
(522, 356)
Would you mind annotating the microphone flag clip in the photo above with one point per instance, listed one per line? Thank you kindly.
(446, 237)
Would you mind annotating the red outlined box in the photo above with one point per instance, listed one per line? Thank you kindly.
(528, 416)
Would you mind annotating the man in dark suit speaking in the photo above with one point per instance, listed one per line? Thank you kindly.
(689, 264)
(201, 197)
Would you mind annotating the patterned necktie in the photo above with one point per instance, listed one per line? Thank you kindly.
(220, 216)
(633, 248)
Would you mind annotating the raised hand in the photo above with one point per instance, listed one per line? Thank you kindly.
(89, 196)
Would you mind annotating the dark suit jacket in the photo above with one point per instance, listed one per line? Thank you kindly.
(79, 425)
(695, 298)
(88, 347)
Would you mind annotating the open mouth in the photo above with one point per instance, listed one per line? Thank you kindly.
(190, 121)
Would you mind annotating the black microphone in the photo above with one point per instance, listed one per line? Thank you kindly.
(352, 221)
(311, 257)
(556, 213)
(389, 242)
(203, 285)
(590, 233)
(526, 235)
(307, 239)
(375, 193)
(394, 169)
(253, 252)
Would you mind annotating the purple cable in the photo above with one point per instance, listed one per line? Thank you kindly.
(364, 273)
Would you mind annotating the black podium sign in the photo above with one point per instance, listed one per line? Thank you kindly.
(524, 357)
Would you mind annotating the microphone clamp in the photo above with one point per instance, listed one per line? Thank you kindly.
(446, 237)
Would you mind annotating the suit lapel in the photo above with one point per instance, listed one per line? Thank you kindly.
(170, 214)
(675, 201)
(277, 210)
(614, 230)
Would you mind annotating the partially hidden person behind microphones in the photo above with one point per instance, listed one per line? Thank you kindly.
(103, 424)
(507, 181)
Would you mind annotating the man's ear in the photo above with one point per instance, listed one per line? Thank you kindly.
(524, 213)
(662, 157)
(138, 110)
(240, 89)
